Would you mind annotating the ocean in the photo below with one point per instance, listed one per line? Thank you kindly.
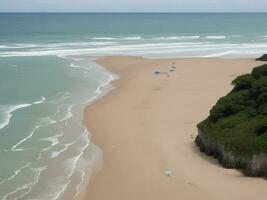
(48, 76)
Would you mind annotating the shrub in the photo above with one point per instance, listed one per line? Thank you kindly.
(239, 119)
(230, 104)
(243, 82)
(257, 72)
(263, 109)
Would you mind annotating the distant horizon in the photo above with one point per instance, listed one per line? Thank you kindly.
(148, 12)
(137, 6)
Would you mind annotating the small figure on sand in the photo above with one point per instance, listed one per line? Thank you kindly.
(168, 172)
(157, 72)
(173, 65)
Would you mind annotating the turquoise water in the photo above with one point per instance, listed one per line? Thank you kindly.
(47, 76)
(183, 35)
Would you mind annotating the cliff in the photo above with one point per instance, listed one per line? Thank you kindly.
(235, 132)
(262, 58)
(257, 166)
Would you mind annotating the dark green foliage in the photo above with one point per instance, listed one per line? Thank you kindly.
(259, 71)
(263, 109)
(230, 104)
(239, 120)
(243, 82)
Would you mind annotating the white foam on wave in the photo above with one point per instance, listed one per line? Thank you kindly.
(7, 110)
(55, 118)
(235, 36)
(15, 173)
(103, 38)
(72, 164)
(118, 38)
(27, 186)
(57, 45)
(78, 186)
(18, 46)
(54, 141)
(100, 90)
(219, 54)
(136, 49)
(79, 66)
(216, 37)
(74, 44)
(132, 38)
(55, 154)
(42, 100)
(14, 148)
(177, 37)
(263, 36)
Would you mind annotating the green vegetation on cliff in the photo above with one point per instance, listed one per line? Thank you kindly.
(239, 120)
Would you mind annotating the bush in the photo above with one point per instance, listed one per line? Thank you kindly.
(263, 109)
(259, 86)
(257, 72)
(243, 82)
(260, 125)
(239, 120)
(230, 104)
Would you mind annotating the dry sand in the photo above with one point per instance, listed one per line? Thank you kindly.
(148, 124)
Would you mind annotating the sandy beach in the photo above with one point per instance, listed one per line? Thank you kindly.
(147, 125)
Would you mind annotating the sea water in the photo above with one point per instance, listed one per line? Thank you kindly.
(48, 76)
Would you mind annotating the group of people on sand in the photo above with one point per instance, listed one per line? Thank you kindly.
(172, 69)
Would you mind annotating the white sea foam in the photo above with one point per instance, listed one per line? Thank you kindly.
(7, 110)
(6, 113)
(57, 45)
(29, 186)
(13, 148)
(118, 38)
(178, 37)
(42, 100)
(18, 46)
(78, 186)
(15, 173)
(57, 153)
(137, 49)
(220, 54)
(103, 38)
(235, 36)
(216, 37)
(53, 140)
(132, 38)
(72, 164)
(79, 66)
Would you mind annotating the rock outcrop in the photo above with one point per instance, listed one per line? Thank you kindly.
(257, 166)
(262, 58)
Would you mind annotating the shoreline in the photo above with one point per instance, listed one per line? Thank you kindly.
(137, 72)
(102, 90)
(92, 154)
